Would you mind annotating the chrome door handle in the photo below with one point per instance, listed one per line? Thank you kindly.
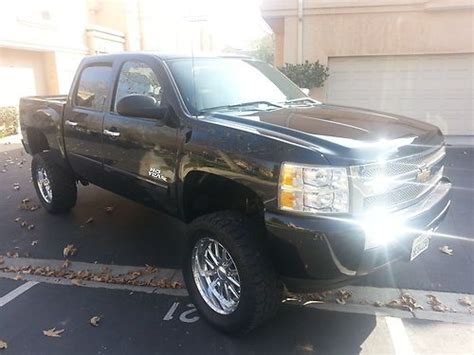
(71, 123)
(111, 133)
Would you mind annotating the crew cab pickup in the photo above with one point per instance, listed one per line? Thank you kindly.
(278, 190)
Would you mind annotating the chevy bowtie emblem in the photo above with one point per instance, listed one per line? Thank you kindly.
(424, 174)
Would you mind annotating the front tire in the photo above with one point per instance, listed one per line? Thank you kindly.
(56, 188)
(228, 276)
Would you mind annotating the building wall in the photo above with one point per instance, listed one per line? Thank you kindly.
(333, 28)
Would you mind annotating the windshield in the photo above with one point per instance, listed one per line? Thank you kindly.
(223, 82)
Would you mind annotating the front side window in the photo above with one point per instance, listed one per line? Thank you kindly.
(93, 87)
(212, 82)
(137, 78)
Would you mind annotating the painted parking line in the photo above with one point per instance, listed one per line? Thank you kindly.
(362, 301)
(16, 292)
(400, 340)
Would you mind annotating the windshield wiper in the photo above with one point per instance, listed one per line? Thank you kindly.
(243, 104)
(301, 100)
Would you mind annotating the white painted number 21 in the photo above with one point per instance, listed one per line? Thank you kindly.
(186, 316)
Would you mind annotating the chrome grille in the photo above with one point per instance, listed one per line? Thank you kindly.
(405, 180)
(400, 166)
(403, 195)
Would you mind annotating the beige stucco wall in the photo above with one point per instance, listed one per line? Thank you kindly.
(367, 27)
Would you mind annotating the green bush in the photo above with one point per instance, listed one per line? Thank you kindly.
(306, 75)
(8, 121)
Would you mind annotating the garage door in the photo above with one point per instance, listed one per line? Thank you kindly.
(434, 88)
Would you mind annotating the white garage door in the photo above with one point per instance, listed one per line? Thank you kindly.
(434, 88)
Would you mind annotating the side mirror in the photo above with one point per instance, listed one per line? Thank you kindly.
(305, 91)
(140, 106)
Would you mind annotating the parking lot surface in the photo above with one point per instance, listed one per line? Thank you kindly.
(112, 232)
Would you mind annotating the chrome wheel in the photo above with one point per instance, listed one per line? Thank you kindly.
(44, 185)
(216, 276)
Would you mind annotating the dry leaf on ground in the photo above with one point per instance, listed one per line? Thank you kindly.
(3, 345)
(34, 242)
(18, 277)
(406, 302)
(18, 219)
(446, 250)
(378, 304)
(53, 333)
(465, 301)
(66, 264)
(437, 305)
(109, 209)
(95, 321)
(76, 282)
(89, 220)
(342, 296)
(11, 254)
(31, 226)
(69, 250)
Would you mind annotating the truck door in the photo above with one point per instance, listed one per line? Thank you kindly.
(83, 119)
(140, 153)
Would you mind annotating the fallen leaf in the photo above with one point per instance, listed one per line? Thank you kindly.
(66, 264)
(378, 304)
(34, 242)
(437, 305)
(76, 282)
(306, 347)
(23, 224)
(18, 219)
(25, 200)
(53, 333)
(406, 302)
(31, 226)
(109, 209)
(89, 220)
(150, 269)
(465, 301)
(3, 345)
(69, 250)
(95, 321)
(446, 250)
(342, 296)
(11, 254)
(18, 277)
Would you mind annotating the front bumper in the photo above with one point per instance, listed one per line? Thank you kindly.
(317, 253)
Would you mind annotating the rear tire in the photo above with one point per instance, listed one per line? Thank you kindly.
(55, 187)
(260, 291)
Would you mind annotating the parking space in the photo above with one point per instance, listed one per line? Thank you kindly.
(107, 229)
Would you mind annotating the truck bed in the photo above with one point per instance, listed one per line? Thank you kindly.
(41, 121)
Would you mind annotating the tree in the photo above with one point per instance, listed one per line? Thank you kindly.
(264, 49)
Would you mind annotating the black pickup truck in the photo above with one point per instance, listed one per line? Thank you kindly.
(279, 190)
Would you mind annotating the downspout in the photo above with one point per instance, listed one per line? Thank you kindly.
(300, 30)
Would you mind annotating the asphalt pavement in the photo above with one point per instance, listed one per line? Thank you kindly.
(145, 321)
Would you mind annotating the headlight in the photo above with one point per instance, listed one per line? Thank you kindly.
(313, 189)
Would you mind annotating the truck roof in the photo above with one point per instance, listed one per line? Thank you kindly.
(162, 56)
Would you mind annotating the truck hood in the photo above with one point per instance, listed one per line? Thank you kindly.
(345, 135)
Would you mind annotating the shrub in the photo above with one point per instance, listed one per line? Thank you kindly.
(306, 75)
(8, 121)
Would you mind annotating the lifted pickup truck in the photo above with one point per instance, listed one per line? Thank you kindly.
(279, 190)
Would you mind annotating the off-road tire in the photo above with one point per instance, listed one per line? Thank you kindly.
(62, 183)
(261, 290)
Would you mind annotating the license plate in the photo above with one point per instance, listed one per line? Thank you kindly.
(420, 244)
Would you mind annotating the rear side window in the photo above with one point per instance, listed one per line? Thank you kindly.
(93, 87)
(137, 78)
